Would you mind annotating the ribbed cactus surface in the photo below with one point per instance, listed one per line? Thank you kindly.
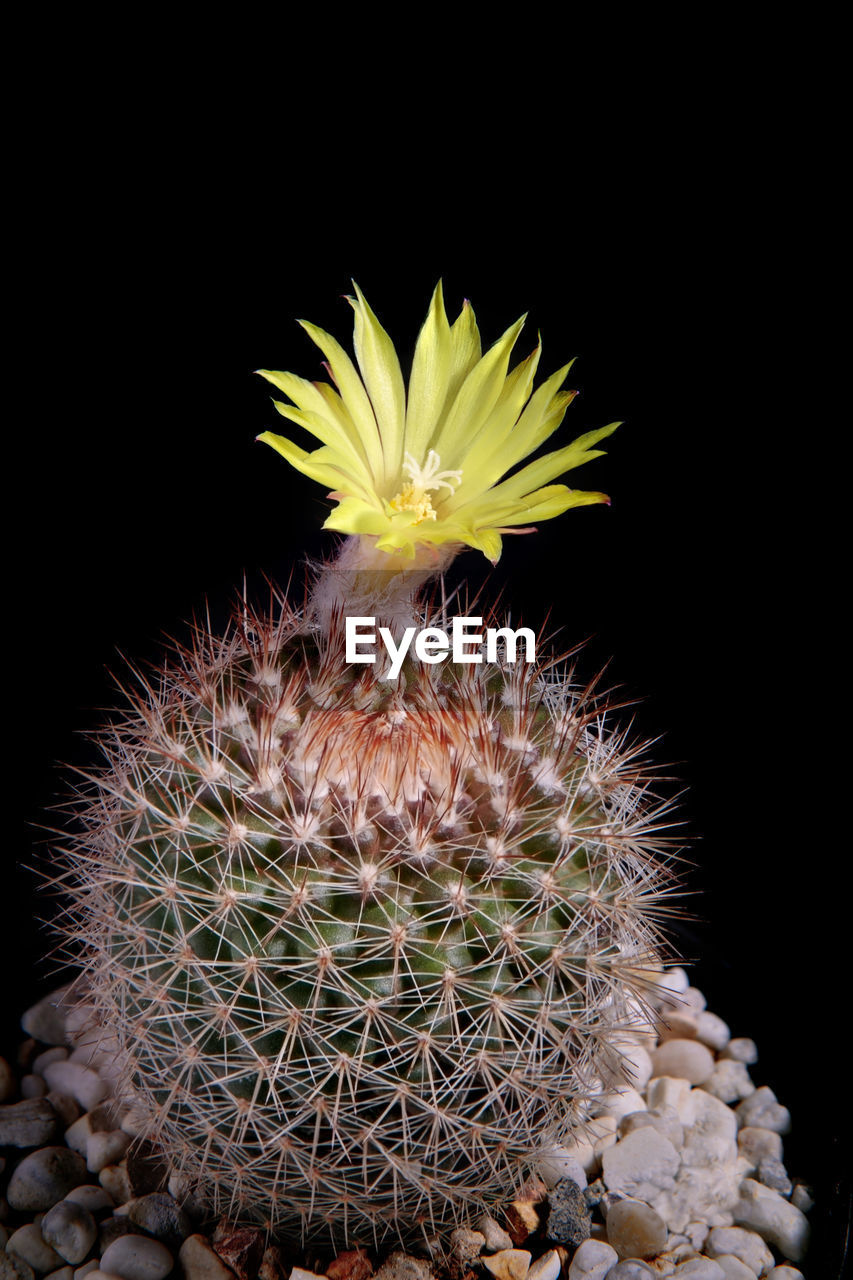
(362, 942)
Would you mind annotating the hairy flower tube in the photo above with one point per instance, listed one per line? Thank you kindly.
(430, 468)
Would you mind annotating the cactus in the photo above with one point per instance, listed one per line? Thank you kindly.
(363, 943)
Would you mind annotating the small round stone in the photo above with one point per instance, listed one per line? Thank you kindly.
(28, 1243)
(631, 1269)
(593, 1261)
(33, 1086)
(14, 1268)
(91, 1197)
(45, 1177)
(699, 1269)
(733, 1268)
(61, 1273)
(684, 1059)
(569, 1217)
(31, 1123)
(137, 1258)
(635, 1230)
(200, 1262)
(162, 1217)
(70, 1229)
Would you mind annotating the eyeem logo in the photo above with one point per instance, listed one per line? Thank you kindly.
(431, 644)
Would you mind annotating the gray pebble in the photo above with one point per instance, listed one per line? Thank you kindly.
(773, 1174)
(699, 1269)
(14, 1268)
(81, 1272)
(631, 1269)
(46, 1057)
(31, 1123)
(742, 1050)
(44, 1177)
(70, 1229)
(761, 1110)
(802, 1197)
(28, 1243)
(61, 1273)
(569, 1219)
(84, 1085)
(112, 1229)
(33, 1086)
(162, 1217)
(91, 1197)
(45, 1021)
(635, 1230)
(7, 1081)
(138, 1258)
(65, 1107)
(733, 1268)
(200, 1262)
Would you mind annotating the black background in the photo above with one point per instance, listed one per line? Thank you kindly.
(683, 279)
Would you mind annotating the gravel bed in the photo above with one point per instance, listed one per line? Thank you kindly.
(681, 1173)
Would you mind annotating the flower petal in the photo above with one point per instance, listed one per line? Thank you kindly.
(380, 370)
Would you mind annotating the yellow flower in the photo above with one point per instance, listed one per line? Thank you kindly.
(431, 468)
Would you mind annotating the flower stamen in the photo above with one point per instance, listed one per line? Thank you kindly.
(414, 495)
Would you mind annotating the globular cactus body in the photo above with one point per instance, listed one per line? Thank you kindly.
(362, 943)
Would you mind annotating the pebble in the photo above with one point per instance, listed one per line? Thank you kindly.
(137, 1258)
(14, 1268)
(802, 1197)
(773, 1174)
(45, 1177)
(762, 1110)
(80, 1273)
(742, 1049)
(70, 1229)
(775, 1219)
(33, 1086)
(495, 1236)
(352, 1264)
(733, 1268)
(508, 1264)
(548, 1267)
(593, 1261)
(31, 1123)
(664, 1119)
(200, 1262)
(115, 1180)
(45, 1020)
(28, 1243)
(465, 1246)
(7, 1081)
(65, 1106)
(91, 1197)
(756, 1144)
(61, 1273)
(635, 1230)
(558, 1162)
(631, 1269)
(44, 1059)
(712, 1030)
(784, 1273)
(112, 1228)
(161, 1216)
(641, 1165)
(699, 1269)
(729, 1081)
(748, 1246)
(105, 1148)
(684, 1059)
(569, 1219)
(82, 1083)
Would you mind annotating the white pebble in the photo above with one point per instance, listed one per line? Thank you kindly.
(712, 1031)
(667, 1091)
(44, 1059)
(784, 1273)
(77, 1135)
(763, 1111)
(684, 1059)
(137, 1258)
(733, 1268)
(748, 1246)
(619, 1103)
(775, 1219)
(547, 1267)
(556, 1163)
(729, 1081)
(105, 1148)
(756, 1144)
(81, 1082)
(641, 1165)
(699, 1269)
(592, 1261)
(742, 1050)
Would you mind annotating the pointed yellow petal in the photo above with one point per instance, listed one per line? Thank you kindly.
(354, 516)
(315, 465)
(330, 433)
(380, 370)
(432, 369)
(476, 398)
(353, 394)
